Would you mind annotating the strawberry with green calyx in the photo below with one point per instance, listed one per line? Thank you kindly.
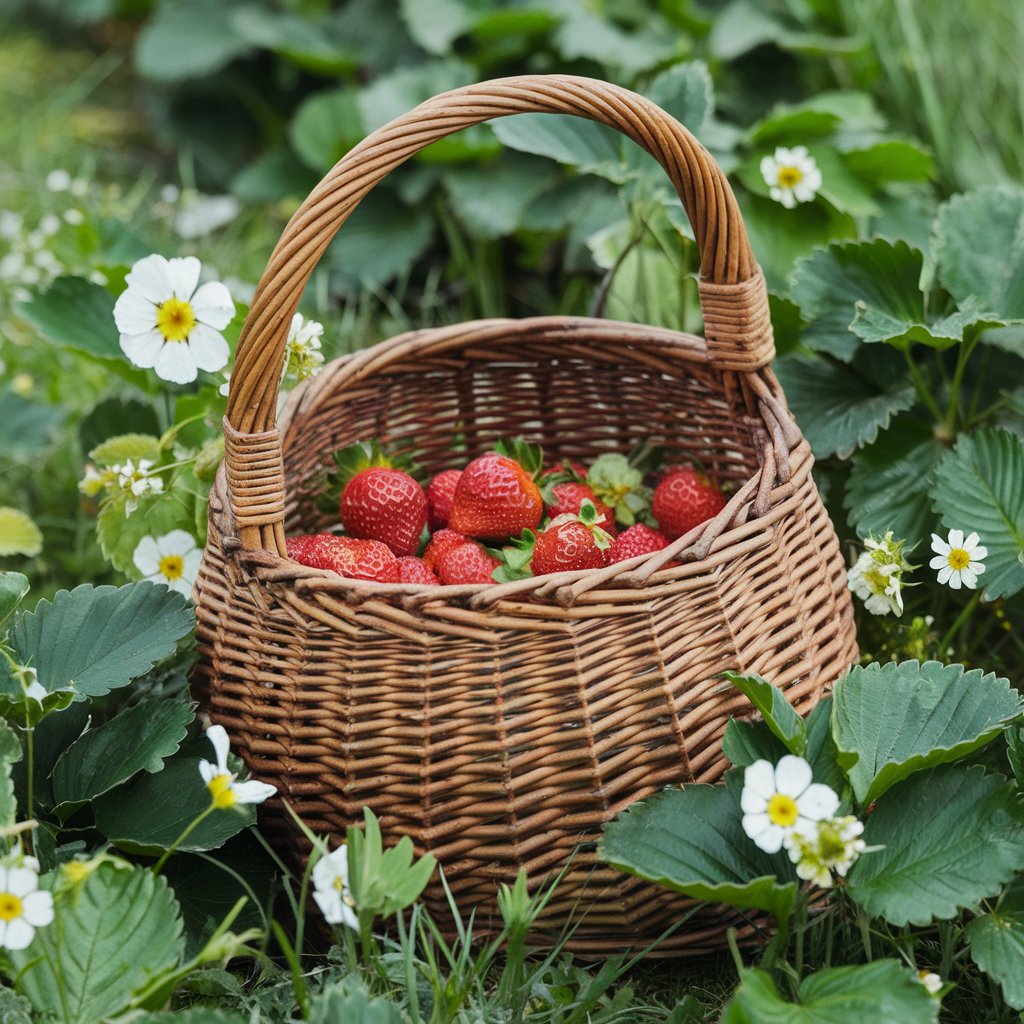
(566, 471)
(350, 461)
(440, 495)
(514, 558)
(639, 539)
(684, 498)
(570, 543)
(442, 541)
(466, 563)
(415, 570)
(529, 456)
(495, 498)
(620, 486)
(347, 556)
(568, 497)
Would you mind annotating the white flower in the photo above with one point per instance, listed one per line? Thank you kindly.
(24, 907)
(221, 782)
(792, 176)
(30, 685)
(931, 981)
(136, 480)
(200, 215)
(172, 559)
(170, 194)
(959, 560)
(58, 181)
(169, 324)
(10, 224)
(225, 388)
(50, 224)
(819, 848)
(877, 575)
(303, 357)
(74, 217)
(331, 891)
(777, 800)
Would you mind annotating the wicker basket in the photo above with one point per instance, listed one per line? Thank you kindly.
(500, 725)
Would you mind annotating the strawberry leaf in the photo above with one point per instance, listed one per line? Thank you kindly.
(529, 456)
(620, 486)
(514, 558)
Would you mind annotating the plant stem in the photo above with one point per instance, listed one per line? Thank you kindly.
(958, 622)
(921, 387)
(184, 835)
(966, 348)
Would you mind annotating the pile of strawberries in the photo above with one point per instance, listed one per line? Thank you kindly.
(502, 517)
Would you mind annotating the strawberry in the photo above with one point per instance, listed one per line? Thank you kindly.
(683, 499)
(566, 498)
(440, 494)
(385, 505)
(466, 563)
(442, 542)
(637, 540)
(347, 556)
(569, 542)
(415, 570)
(495, 498)
(567, 469)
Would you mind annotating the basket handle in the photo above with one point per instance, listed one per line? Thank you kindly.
(733, 296)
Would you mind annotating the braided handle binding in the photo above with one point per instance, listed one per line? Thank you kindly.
(732, 291)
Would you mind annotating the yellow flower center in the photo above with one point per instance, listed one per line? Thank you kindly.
(789, 176)
(782, 810)
(172, 567)
(221, 791)
(959, 559)
(76, 871)
(175, 319)
(10, 906)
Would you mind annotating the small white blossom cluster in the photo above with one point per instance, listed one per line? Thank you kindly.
(877, 575)
(24, 907)
(782, 807)
(331, 889)
(135, 479)
(225, 791)
(303, 358)
(172, 559)
(792, 176)
(958, 560)
(29, 261)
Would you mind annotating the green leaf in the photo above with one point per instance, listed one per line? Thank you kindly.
(274, 175)
(1015, 751)
(776, 710)
(137, 739)
(118, 450)
(13, 588)
(190, 39)
(491, 199)
(10, 753)
(786, 126)
(686, 92)
(76, 314)
(296, 37)
(436, 24)
(891, 160)
(113, 416)
(25, 426)
(890, 482)
(980, 488)
(197, 1014)
(843, 189)
(692, 841)
(114, 931)
(588, 35)
(347, 1000)
(746, 742)
(396, 93)
(18, 534)
(325, 127)
(841, 407)
(950, 837)
(997, 943)
(891, 720)
(576, 141)
(119, 534)
(149, 814)
(101, 638)
(978, 246)
(829, 284)
(884, 990)
(822, 753)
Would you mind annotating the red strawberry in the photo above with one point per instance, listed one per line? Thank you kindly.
(565, 547)
(566, 498)
(466, 563)
(385, 505)
(495, 498)
(440, 494)
(347, 556)
(442, 542)
(415, 570)
(683, 499)
(567, 468)
(637, 540)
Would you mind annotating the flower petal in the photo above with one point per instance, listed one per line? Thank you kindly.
(955, 581)
(970, 581)
(37, 908)
(142, 350)
(970, 541)
(792, 775)
(976, 567)
(149, 277)
(209, 349)
(218, 736)
(134, 313)
(213, 305)
(146, 556)
(181, 586)
(945, 572)
(751, 802)
(183, 273)
(818, 801)
(939, 545)
(175, 363)
(760, 779)
(21, 881)
(252, 792)
(956, 538)
(770, 839)
(208, 771)
(177, 542)
(19, 934)
(191, 568)
(979, 552)
(938, 562)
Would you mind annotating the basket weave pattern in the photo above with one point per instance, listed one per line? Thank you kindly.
(500, 725)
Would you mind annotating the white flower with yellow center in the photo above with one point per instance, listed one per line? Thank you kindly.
(170, 323)
(877, 575)
(823, 847)
(331, 891)
(24, 907)
(792, 176)
(136, 480)
(777, 800)
(172, 559)
(303, 358)
(931, 981)
(959, 561)
(220, 780)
